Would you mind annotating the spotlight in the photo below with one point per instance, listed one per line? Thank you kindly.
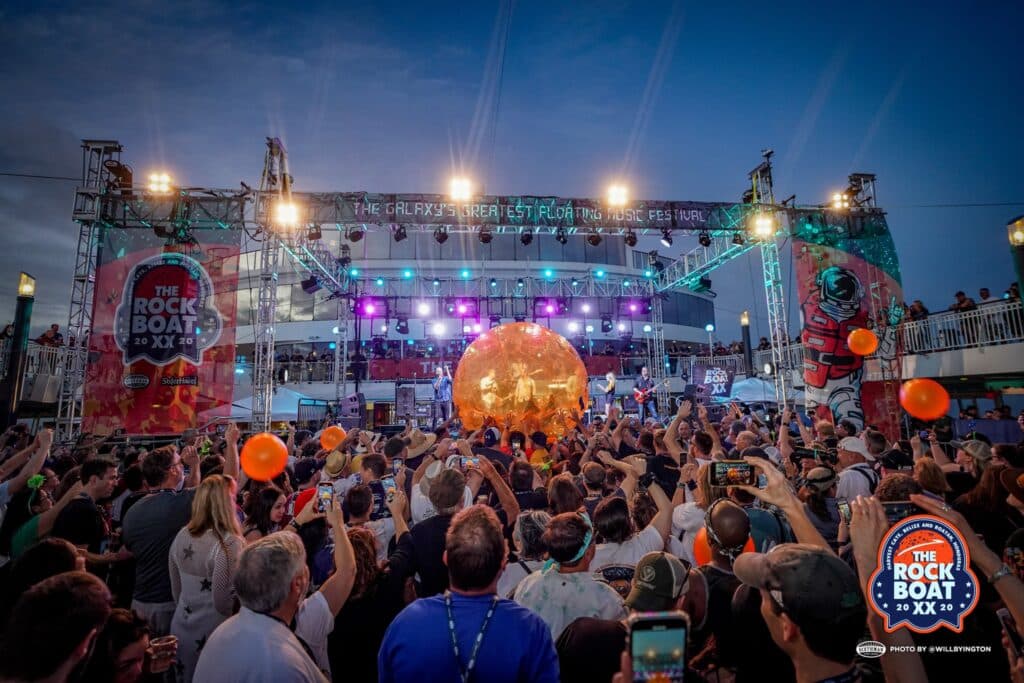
(647, 329)
(494, 283)
(709, 328)
(380, 282)
(436, 282)
(460, 189)
(402, 326)
(548, 273)
(407, 274)
(621, 327)
(438, 329)
(159, 183)
(840, 201)
(561, 236)
(590, 328)
(768, 367)
(599, 273)
(423, 308)
(314, 233)
(737, 238)
(286, 213)
(763, 225)
(666, 237)
(618, 195)
(311, 286)
(400, 233)
(585, 308)
(704, 239)
(464, 274)
(495, 320)
(594, 239)
(441, 234)
(630, 238)
(574, 327)
(606, 325)
(354, 233)
(526, 237)
(519, 282)
(485, 236)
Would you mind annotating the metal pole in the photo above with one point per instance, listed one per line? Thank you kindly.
(18, 355)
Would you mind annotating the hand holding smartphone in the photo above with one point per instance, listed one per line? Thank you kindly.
(324, 496)
(732, 473)
(657, 646)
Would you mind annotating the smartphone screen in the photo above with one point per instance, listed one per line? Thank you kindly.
(324, 496)
(732, 473)
(657, 642)
(900, 509)
(844, 509)
(466, 463)
(389, 486)
(396, 465)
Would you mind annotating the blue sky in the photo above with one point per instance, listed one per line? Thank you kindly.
(386, 96)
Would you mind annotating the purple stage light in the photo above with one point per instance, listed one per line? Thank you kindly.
(462, 308)
(550, 308)
(632, 308)
(370, 309)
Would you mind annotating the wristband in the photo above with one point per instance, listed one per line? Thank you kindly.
(1000, 573)
(294, 524)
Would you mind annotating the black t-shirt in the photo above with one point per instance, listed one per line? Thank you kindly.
(760, 653)
(728, 640)
(148, 531)
(420, 552)
(589, 650)
(960, 483)
(81, 523)
(359, 628)
(532, 500)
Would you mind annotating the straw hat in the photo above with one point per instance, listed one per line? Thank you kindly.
(335, 464)
(420, 442)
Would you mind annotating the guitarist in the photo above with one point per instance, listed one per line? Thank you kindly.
(646, 408)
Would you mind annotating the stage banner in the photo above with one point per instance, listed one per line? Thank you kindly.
(162, 348)
(717, 381)
(848, 277)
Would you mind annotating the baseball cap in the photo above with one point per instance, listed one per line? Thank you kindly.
(979, 450)
(896, 460)
(305, 468)
(812, 585)
(855, 445)
(659, 580)
(491, 437)
(820, 479)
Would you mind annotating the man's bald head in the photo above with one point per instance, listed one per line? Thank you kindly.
(745, 440)
(731, 526)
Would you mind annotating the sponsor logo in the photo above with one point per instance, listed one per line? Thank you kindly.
(167, 311)
(870, 649)
(923, 580)
(135, 381)
(188, 380)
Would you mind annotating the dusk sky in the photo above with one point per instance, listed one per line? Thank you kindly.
(679, 98)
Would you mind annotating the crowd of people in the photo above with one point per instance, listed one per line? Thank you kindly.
(493, 555)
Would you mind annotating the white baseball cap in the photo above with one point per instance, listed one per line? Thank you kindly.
(855, 445)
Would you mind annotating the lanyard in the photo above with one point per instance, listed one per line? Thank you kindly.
(464, 674)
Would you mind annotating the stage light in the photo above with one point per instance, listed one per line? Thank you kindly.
(840, 201)
(159, 183)
(369, 309)
(594, 239)
(437, 329)
(618, 195)
(709, 328)
(606, 325)
(313, 233)
(548, 273)
(630, 238)
(353, 272)
(402, 326)
(311, 285)
(494, 283)
(335, 330)
(526, 237)
(763, 225)
(460, 189)
(441, 234)
(477, 328)
(549, 308)
(647, 328)
(286, 213)
(768, 369)
(648, 273)
(666, 237)
(626, 283)
(465, 274)
(383, 328)
(407, 274)
(633, 308)
(400, 233)
(589, 328)
(737, 238)
(354, 233)
(485, 236)
(461, 308)
(466, 329)
(346, 256)
(519, 282)
(379, 281)
(574, 327)
(423, 308)
(599, 273)
(435, 282)
(495, 320)
(704, 239)
(560, 236)
(585, 308)
(575, 282)
(621, 327)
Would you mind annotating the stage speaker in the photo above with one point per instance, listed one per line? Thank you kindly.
(405, 402)
(45, 389)
(352, 411)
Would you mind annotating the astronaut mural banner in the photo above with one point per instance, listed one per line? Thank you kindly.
(162, 349)
(848, 277)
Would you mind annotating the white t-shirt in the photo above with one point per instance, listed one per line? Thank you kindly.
(313, 623)
(514, 573)
(856, 480)
(421, 508)
(384, 530)
(628, 553)
(560, 599)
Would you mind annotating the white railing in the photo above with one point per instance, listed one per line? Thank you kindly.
(995, 323)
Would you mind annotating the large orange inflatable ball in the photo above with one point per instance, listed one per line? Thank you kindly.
(862, 341)
(332, 437)
(523, 372)
(702, 549)
(925, 399)
(264, 456)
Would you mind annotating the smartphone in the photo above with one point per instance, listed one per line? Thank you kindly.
(517, 444)
(900, 509)
(1011, 630)
(466, 463)
(389, 486)
(923, 434)
(324, 496)
(657, 645)
(844, 510)
(396, 465)
(732, 473)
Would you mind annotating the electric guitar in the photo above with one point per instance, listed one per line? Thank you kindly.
(644, 395)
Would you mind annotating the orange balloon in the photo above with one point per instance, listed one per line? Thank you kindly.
(523, 371)
(264, 456)
(925, 399)
(862, 341)
(332, 437)
(702, 550)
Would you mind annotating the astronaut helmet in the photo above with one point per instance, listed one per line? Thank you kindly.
(841, 292)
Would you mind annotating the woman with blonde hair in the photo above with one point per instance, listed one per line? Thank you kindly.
(609, 392)
(202, 564)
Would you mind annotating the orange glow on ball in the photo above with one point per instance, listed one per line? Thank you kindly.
(522, 371)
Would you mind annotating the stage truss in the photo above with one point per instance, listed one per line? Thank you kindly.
(107, 199)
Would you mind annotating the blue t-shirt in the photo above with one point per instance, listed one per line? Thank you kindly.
(443, 389)
(516, 648)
